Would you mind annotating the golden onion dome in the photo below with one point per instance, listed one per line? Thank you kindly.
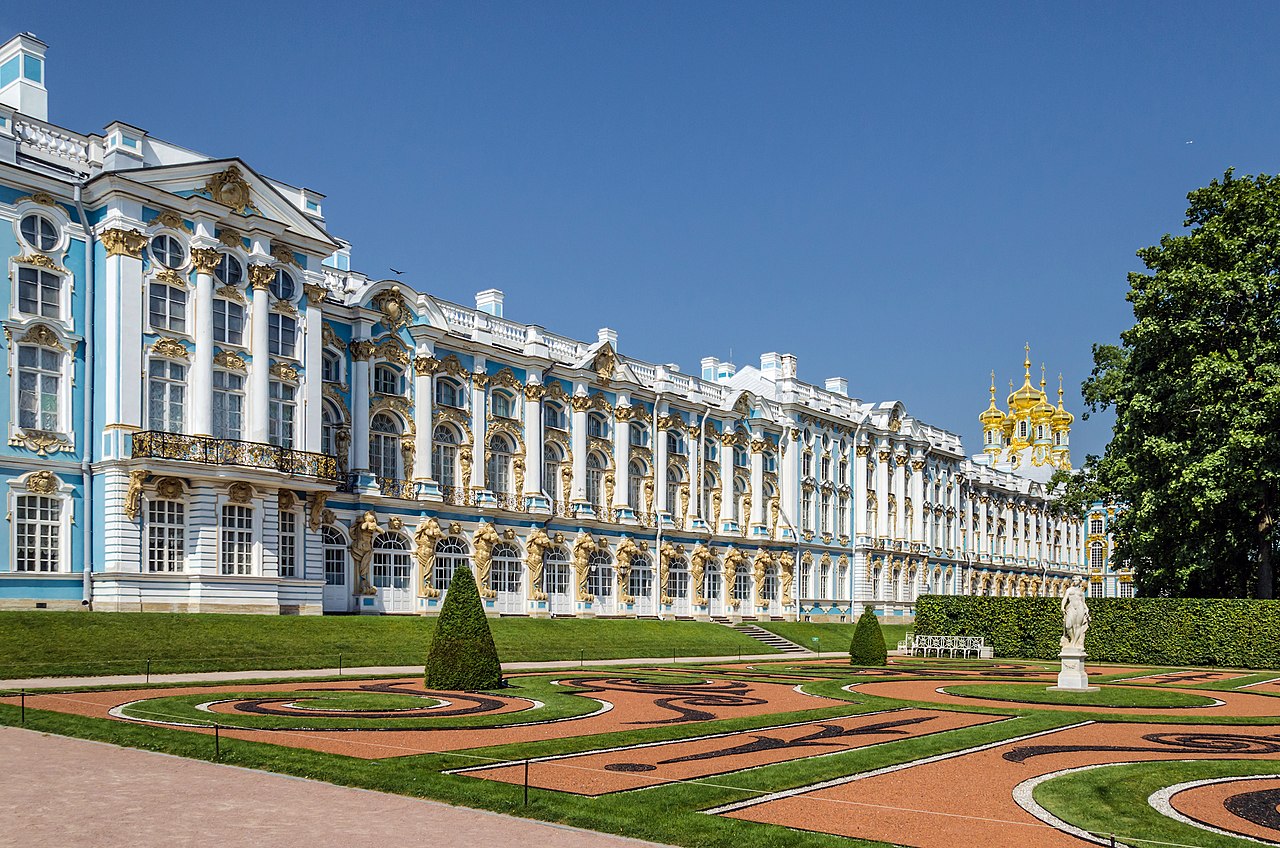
(992, 417)
(1026, 397)
(1061, 418)
(1043, 410)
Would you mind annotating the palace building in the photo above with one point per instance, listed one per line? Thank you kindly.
(209, 409)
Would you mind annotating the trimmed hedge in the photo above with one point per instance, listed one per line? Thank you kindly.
(1146, 631)
(463, 656)
(867, 646)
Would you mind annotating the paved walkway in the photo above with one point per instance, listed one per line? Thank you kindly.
(61, 791)
(366, 671)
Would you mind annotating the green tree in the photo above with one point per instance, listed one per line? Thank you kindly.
(867, 647)
(463, 656)
(1195, 385)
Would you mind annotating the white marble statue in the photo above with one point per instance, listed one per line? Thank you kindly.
(1075, 618)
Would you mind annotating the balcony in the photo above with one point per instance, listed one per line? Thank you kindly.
(154, 444)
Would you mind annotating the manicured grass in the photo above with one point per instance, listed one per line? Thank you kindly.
(360, 702)
(1107, 696)
(1113, 800)
(38, 644)
(831, 636)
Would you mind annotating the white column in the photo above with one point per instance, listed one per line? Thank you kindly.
(789, 480)
(260, 368)
(859, 505)
(201, 400)
(533, 440)
(478, 408)
(884, 456)
(622, 453)
(578, 437)
(659, 469)
(122, 328)
(758, 504)
(917, 500)
(727, 471)
(695, 474)
(313, 367)
(900, 490)
(361, 350)
(423, 398)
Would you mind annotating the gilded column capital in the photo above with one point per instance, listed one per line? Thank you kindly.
(534, 391)
(362, 350)
(581, 403)
(863, 450)
(315, 293)
(917, 465)
(758, 445)
(205, 259)
(479, 379)
(123, 242)
(261, 277)
(425, 365)
(624, 413)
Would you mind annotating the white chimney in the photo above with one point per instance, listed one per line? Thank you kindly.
(770, 365)
(788, 365)
(22, 72)
(838, 386)
(709, 367)
(604, 334)
(490, 301)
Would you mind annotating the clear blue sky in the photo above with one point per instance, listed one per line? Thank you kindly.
(899, 193)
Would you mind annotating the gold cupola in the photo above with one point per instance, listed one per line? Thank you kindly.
(1061, 426)
(992, 424)
(1026, 398)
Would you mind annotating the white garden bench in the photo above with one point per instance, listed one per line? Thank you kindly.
(919, 646)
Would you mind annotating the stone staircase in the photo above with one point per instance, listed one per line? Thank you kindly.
(773, 640)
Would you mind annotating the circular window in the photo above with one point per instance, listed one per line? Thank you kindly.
(229, 271)
(168, 251)
(283, 286)
(39, 232)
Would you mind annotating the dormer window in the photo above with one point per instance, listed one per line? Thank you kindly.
(283, 287)
(39, 232)
(386, 380)
(168, 251)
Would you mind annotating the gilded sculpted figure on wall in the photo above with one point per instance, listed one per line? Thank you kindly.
(626, 551)
(363, 534)
(786, 575)
(698, 568)
(425, 538)
(583, 547)
(535, 548)
(485, 538)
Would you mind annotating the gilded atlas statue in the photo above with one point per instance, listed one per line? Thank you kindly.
(1075, 622)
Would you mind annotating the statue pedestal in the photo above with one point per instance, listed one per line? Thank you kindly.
(1072, 677)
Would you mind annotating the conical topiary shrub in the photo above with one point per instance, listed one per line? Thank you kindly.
(463, 656)
(867, 647)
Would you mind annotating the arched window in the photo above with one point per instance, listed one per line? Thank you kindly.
(451, 554)
(675, 443)
(678, 578)
(742, 584)
(875, 583)
(640, 581)
(502, 405)
(391, 562)
(713, 582)
(769, 590)
(600, 577)
(635, 484)
(1097, 555)
(555, 571)
(553, 416)
(1022, 429)
(596, 466)
(384, 446)
(444, 455)
(552, 459)
(639, 435)
(387, 380)
(504, 575)
(229, 271)
(597, 426)
(894, 586)
(447, 393)
(674, 478)
(330, 423)
(497, 472)
(283, 287)
(335, 557)
(740, 457)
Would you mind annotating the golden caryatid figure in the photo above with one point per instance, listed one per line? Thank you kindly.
(1030, 432)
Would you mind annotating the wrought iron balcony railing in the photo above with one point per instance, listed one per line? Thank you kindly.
(155, 444)
(394, 487)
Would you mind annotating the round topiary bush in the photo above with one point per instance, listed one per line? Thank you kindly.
(463, 656)
(867, 647)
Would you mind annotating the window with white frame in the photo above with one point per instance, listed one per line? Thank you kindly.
(335, 557)
(448, 393)
(675, 443)
(451, 555)
(39, 232)
(770, 462)
(504, 574)
(384, 446)
(391, 562)
(497, 470)
(39, 292)
(635, 484)
(597, 427)
(166, 395)
(552, 457)
(330, 422)
(502, 405)
(168, 251)
(842, 514)
(806, 510)
(331, 367)
(282, 411)
(282, 335)
(826, 467)
(553, 416)
(824, 515)
(236, 548)
(674, 478)
(228, 405)
(283, 287)
(640, 581)
(595, 479)
(739, 492)
(1097, 555)
(639, 435)
(386, 380)
(806, 464)
(1095, 525)
(600, 575)
(229, 271)
(1126, 589)
(166, 535)
(167, 308)
(444, 455)
(39, 388)
(742, 585)
(228, 321)
(37, 528)
(288, 544)
(555, 571)
(678, 578)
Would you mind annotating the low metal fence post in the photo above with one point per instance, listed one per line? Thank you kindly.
(526, 783)
(23, 708)
(217, 742)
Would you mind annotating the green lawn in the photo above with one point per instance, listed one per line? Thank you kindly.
(78, 643)
(831, 637)
(1107, 696)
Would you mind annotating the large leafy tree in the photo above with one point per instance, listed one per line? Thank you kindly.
(1195, 384)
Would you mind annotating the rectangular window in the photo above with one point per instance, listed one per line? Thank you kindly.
(825, 515)
(288, 544)
(166, 396)
(335, 565)
(237, 539)
(38, 533)
(39, 388)
(39, 293)
(228, 322)
(166, 535)
(806, 512)
(228, 405)
(168, 308)
(1126, 590)
(1095, 526)
(283, 408)
(282, 335)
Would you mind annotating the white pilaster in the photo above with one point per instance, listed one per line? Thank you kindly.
(758, 504)
(423, 398)
(622, 456)
(578, 436)
(201, 400)
(533, 440)
(361, 350)
(478, 406)
(312, 361)
(260, 367)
